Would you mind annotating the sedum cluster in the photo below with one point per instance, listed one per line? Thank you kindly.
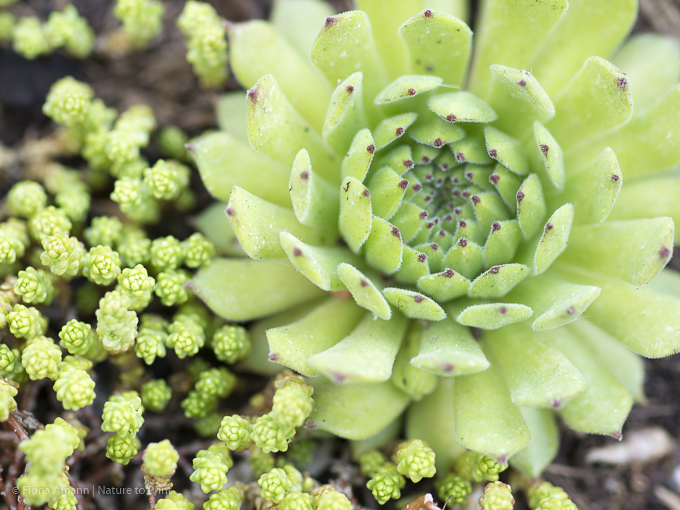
(142, 20)
(474, 235)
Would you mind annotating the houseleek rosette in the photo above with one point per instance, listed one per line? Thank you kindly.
(438, 230)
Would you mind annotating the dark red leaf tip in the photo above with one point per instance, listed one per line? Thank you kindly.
(338, 376)
(522, 83)
(422, 257)
(429, 225)
(403, 184)
(395, 232)
(371, 148)
(399, 131)
(545, 148)
(664, 252)
(460, 157)
(571, 310)
(458, 211)
(434, 246)
(451, 117)
(448, 367)
(350, 89)
(366, 192)
(615, 177)
(439, 182)
(364, 283)
(548, 226)
(621, 82)
(418, 299)
(449, 273)
(494, 270)
(456, 192)
(502, 309)
(493, 153)
(555, 403)
(428, 177)
(494, 178)
(448, 217)
(273, 357)
(411, 92)
(428, 198)
(252, 95)
(425, 159)
(466, 194)
(469, 175)
(438, 142)
(417, 187)
(462, 242)
(445, 166)
(230, 211)
(329, 21)
(462, 224)
(436, 221)
(304, 175)
(408, 163)
(618, 435)
(190, 147)
(423, 215)
(297, 252)
(428, 13)
(520, 197)
(495, 227)
(475, 199)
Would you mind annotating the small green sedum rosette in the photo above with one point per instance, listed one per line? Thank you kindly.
(426, 223)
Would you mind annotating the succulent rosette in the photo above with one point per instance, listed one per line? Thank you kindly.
(472, 235)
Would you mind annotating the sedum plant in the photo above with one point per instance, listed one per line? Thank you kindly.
(474, 235)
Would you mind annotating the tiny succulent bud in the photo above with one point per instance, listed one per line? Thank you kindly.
(497, 496)
(185, 337)
(142, 19)
(41, 358)
(116, 324)
(104, 230)
(370, 462)
(170, 287)
(475, 467)
(198, 405)
(166, 253)
(26, 198)
(138, 285)
(235, 432)
(160, 460)
(453, 488)
(333, 500)
(270, 435)
(134, 250)
(210, 470)
(275, 485)
(166, 179)
(77, 337)
(292, 404)
(216, 382)
(155, 395)
(198, 251)
(121, 449)
(297, 501)
(231, 343)
(34, 286)
(69, 29)
(63, 254)
(74, 388)
(415, 460)
(386, 484)
(123, 416)
(48, 222)
(101, 265)
(29, 39)
(7, 402)
(26, 322)
(226, 499)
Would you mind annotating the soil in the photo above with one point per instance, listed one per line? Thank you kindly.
(161, 77)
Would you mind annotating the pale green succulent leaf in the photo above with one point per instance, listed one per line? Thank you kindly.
(258, 223)
(392, 128)
(408, 219)
(596, 101)
(277, 130)
(667, 282)
(607, 249)
(366, 355)
(465, 258)
(537, 373)
(555, 302)
(299, 21)
(293, 343)
(366, 294)
(507, 183)
(358, 159)
(434, 254)
(469, 229)
(531, 207)
(471, 149)
(414, 305)
(511, 33)
(231, 114)
(595, 189)
(356, 411)
(344, 46)
(408, 85)
(390, 433)
(652, 65)
(489, 208)
(498, 281)
(448, 349)
(506, 150)
(518, 99)
(492, 315)
(433, 420)
(502, 243)
(383, 248)
(251, 57)
(398, 159)
(225, 161)
(645, 320)
(619, 360)
(345, 115)
(604, 405)
(444, 286)
(461, 107)
(479, 175)
(214, 225)
(542, 448)
(487, 421)
(588, 28)
(436, 133)
(387, 191)
(244, 289)
(647, 144)
(437, 44)
(413, 381)
(649, 198)
(547, 155)
(414, 266)
(318, 264)
(315, 202)
(356, 215)
(553, 240)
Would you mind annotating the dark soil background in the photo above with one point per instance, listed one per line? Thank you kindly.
(161, 77)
